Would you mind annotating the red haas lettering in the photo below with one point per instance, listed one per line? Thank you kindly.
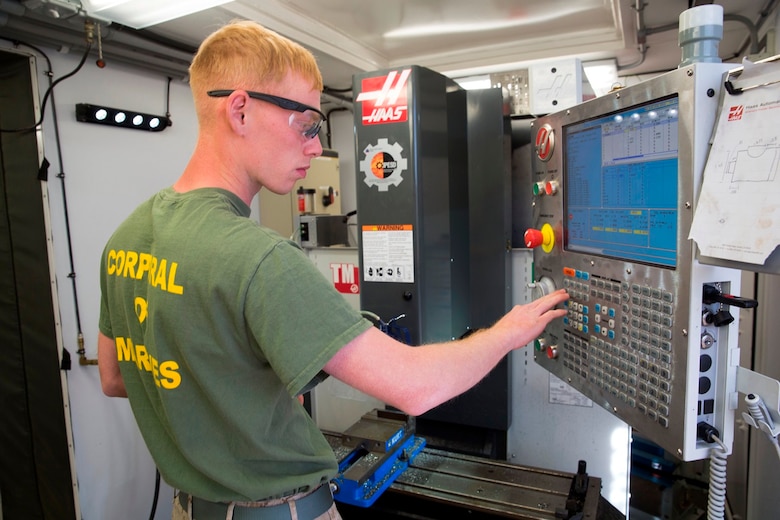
(384, 98)
(386, 115)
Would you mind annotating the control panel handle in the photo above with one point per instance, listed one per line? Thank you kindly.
(713, 295)
(544, 286)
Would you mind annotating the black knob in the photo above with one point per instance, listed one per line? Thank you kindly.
(704, 385)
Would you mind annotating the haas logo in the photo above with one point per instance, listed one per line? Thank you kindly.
(545, 142)
(384, 98)
(735, 112)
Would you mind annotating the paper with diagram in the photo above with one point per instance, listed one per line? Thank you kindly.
(738, 212)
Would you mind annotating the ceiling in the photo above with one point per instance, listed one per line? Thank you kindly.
(467, 37)
(455, 37)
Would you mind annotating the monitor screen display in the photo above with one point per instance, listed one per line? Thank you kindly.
(620, 184)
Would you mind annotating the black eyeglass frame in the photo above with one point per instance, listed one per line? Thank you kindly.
(285, 103)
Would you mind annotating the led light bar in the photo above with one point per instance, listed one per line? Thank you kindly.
(101, 115)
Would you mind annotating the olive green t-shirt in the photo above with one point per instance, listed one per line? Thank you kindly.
(219, 323)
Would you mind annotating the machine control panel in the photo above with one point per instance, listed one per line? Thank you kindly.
(647, 334)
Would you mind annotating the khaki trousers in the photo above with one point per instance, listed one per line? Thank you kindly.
(179, 513)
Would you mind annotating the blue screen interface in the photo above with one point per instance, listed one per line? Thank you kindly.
(620, 179)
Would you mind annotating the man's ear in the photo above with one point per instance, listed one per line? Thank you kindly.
(236, 111)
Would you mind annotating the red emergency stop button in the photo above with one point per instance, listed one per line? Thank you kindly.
(533, 238)
(552, 352)
(544, 237)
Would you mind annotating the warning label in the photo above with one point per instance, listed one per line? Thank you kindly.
(388, 253)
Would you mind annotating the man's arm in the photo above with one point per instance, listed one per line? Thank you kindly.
(416, 379)
(108, 366)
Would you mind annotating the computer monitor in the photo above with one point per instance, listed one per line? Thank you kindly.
(620, 174)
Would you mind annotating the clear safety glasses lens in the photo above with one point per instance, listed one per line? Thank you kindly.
(308, 123)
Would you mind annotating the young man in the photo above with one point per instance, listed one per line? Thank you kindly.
(212, 325)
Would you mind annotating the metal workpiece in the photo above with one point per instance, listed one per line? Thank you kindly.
(379, 431)
(498, 488)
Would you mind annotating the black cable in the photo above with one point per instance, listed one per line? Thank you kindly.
(327, 122)
(331, 89)
(338, 94)
(49, 91)
(156, 493)
(168, 103)
(150, 36)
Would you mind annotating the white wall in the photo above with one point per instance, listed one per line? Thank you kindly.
(343, 141)
(109, 171)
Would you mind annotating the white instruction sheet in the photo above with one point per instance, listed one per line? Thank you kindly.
(738, 212)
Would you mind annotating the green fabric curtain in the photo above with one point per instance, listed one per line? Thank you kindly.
(35, 476)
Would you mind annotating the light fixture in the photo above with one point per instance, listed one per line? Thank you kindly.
(101, 115)
(474, 82)
(602, 75)
(140, 14)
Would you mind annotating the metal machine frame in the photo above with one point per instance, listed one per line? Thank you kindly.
(433, 206)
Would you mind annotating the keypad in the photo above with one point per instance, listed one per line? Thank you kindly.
(618, 337)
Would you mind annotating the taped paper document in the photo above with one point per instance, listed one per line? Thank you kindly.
(738, 212)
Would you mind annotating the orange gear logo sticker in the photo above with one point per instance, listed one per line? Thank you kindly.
(383, 165)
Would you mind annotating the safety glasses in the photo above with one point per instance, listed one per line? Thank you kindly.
(306, 119)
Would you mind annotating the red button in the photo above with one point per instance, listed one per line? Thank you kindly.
(533, 238)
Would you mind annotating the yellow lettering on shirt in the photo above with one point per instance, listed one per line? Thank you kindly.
(144, 264)
(131, 258)
(170, 377)
(124, 349)
(142, 358)
(152, 270)
(155, 372)
(141, 308)
(165, 374)
(172, 287)
(159, 279)
(159, 272)
(115, 261)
